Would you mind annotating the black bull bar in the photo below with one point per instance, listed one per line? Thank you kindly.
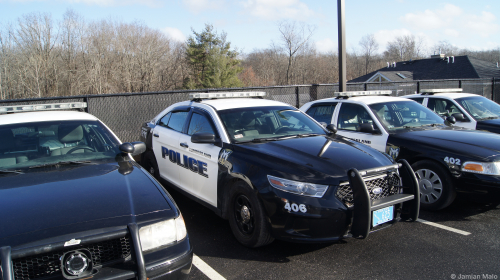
(363, 206)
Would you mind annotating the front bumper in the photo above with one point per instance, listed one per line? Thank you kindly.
(328, 219)
(478, 186)
(172, 262)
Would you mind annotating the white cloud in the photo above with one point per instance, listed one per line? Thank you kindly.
(327, 45)
(483, 25)
(433, 19)
(175, 34)
(111, 3)
(384, 36)
(198, 6)
(278, 9)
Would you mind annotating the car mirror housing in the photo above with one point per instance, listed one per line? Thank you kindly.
(367, 128)
(332, 128)
(134, 148)
(204, 137)
(459, 117)
(450, 120)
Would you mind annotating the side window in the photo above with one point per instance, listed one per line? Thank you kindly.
(443, 107)
(199, 123)
(177, 120)
(351, 116)
(164, 121)
(322, 113)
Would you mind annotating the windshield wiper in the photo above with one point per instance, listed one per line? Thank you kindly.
(308, 134)
(259, 140)
(490, 118)
(76, 162)
(11, 171)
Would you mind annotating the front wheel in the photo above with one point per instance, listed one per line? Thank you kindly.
(436, 189)
(246, 217)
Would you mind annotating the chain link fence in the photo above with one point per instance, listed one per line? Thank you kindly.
(125, 113)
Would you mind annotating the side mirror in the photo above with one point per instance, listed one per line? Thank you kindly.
(450, 120)
(332, 128)
(367, 128)
(134, 148)
(204, 137)
(459, 117)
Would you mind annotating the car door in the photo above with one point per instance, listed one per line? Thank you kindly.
(166, 142)
(199, 164)
(356, 122)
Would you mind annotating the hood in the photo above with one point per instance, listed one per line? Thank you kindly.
(65, 197)
(485, 145)
(315, 157)
(492, 125)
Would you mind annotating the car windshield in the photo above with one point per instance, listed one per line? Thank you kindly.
(398, 115)
(268, 123)
(36, 144)
(480, 107)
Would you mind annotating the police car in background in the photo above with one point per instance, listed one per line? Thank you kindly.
(470, 110)
(75, 205)
(274, 172)
(447, 160)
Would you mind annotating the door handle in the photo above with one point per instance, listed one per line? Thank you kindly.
(184, 145)
(156, 135)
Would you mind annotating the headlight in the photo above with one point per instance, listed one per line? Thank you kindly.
(487, 168)
(162, 233)
(306, 189)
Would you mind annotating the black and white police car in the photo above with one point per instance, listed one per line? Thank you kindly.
(470, 110)
(447, 160)
(75, 205)
(274, 172)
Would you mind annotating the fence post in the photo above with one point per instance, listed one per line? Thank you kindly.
(297, 96)
(366, 86)
(86, 99)
(493, 89)
(418, 86)
(459, 83)
(313, 92)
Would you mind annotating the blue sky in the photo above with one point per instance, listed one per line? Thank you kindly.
(253, 24)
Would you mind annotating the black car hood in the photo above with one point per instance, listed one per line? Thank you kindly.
(492, 125)
(474, 143)
(64, 197)
(332, 156)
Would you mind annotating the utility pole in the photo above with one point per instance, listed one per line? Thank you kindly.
(342, 54)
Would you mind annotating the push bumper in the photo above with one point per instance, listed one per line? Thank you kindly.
(173, 262)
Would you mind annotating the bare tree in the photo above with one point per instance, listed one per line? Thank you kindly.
(369, 47)
(404, 48)
(294, 36)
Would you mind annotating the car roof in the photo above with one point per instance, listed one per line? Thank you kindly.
(451, 95)
(364, 99)
(29, 117)
(232, 103)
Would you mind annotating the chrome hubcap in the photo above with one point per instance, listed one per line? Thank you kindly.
(245, 214)
(431, 186)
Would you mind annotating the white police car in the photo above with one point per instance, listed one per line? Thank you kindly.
(470, 110)
(75, 205)
(274, 172)
(447, 160)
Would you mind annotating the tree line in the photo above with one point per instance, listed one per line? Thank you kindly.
(41, 58)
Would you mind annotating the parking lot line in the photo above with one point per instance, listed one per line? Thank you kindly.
(206, 269)
(444, 227)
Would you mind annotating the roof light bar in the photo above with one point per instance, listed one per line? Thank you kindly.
(363, 93)
(205, 95)
(42, 107)
(441, 90)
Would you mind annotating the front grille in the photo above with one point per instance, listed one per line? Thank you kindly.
(49, 264)
(388, 182)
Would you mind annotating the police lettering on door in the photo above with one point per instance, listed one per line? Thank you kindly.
(190, 163)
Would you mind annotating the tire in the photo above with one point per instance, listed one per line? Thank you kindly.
(436, 188)
(246, 217)
(149, 163)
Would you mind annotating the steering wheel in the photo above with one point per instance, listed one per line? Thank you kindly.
(80, 148)
(280, 129)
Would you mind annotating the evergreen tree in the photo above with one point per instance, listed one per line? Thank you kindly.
(213, 64)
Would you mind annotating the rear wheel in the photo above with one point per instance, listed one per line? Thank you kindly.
(246, 217)
(149, 163)
(436, 189)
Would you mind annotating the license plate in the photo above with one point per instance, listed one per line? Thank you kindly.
(383, 215)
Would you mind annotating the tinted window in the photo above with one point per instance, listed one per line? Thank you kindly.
(322, 113)
(164, 121)
(351, 116)
(480, 107)
(442, 107)
(199, 123)
(404, 114)
(177, 120)
(419, 100)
